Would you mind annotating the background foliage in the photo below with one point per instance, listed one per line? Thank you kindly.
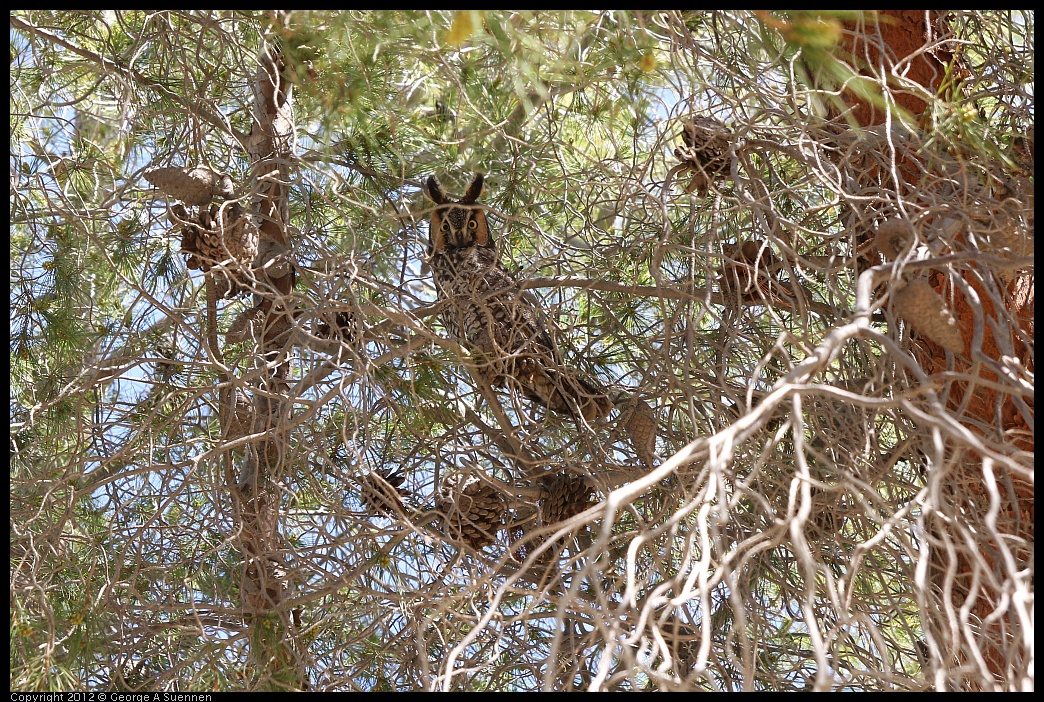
(785, 540)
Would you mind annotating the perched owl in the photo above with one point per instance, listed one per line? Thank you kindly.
(489, 314)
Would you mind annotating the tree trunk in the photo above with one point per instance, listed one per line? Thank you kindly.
(977, 484)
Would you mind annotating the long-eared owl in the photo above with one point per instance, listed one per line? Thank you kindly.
(490, 315)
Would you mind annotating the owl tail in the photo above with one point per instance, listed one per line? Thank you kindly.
(562, 390)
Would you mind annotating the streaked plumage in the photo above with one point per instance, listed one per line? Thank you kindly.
(491, 316)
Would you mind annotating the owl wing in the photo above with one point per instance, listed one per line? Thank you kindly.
(490, 312)
(505, 326)
(532, 359)
(506, 332)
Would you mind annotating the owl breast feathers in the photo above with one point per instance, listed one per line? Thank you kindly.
(490, 315)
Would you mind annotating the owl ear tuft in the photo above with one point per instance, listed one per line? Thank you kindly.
(474, 190)
(435, 191)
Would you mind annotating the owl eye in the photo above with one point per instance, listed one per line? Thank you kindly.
(445, 226)
(472, 224)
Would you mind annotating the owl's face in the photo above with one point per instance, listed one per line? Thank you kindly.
(457, 224)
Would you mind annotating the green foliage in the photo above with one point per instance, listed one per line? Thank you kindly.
(123, 543)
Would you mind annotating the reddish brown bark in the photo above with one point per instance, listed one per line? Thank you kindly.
(905, 34)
